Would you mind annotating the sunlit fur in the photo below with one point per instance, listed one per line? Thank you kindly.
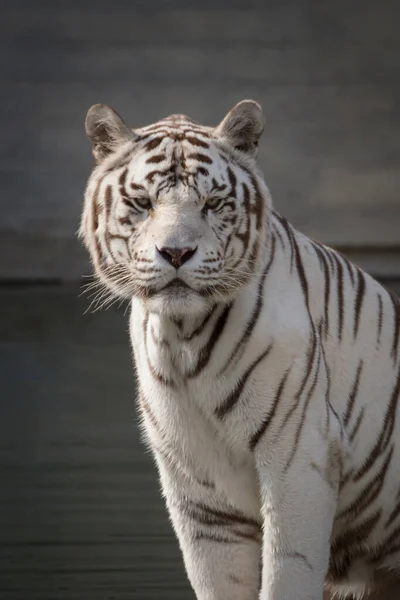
(268, 365)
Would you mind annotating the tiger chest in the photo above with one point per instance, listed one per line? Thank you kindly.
(181, 427)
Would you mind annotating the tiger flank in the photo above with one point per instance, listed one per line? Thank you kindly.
(268, 365)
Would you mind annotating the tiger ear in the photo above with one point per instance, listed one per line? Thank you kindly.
(242, 127)
(106, 130)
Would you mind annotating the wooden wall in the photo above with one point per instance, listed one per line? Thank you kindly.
(327, 74)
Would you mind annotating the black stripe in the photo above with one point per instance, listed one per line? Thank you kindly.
(216, 187)
(264, 425)
(321, 253)
(295, 556)
(310, 362)
(391, 545)
(350, 545)
(200, 328)
(353, 394)
(212, 516)
(125, 221)
(157, 158)
(108, 198)
(229, 402)
(349, 268)
(331, 260)
(278, 234)
(255, 314)
(206, 351)
(289, 234)
(396, 331)
(201, 157)
(108, 201)
(203, 171)
(359, 301)
(258, 207)
(340, 298)
(96, 209)
(303, 417)
(137, 187)
(217, 538)
(354, 537)
(154, 143)
(122, 182)
(233, 181)
(395, 512)
(196, 141)
(328, 404)
(197, 131)
(145, 406)
(370, 492)
(243, 237)
(380, 318)
(385, 433)
(301, 273)
(357, 424)
(120, 161)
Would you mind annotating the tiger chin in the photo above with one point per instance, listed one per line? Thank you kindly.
(268, 365)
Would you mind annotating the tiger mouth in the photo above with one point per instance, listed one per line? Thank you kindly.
(179, 288)
(177, 284)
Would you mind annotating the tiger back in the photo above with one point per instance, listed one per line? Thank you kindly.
(267, 364)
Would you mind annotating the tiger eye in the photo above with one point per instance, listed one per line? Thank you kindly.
(143, 203)
(213, 203)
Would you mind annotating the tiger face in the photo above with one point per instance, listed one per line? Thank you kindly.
(175, 212)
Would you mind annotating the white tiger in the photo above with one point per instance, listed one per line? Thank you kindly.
(268, 365)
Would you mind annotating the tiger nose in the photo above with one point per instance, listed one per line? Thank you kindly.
(176, 256)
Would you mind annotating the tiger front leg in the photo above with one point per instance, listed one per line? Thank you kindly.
(221, 544)
(298, 507)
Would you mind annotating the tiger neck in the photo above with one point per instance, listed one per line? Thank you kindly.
(178, 349)
(182, 329)
(194, 328)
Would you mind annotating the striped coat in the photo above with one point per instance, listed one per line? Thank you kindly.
(268, 365)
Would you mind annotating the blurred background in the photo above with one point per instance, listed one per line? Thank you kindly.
(80, 512)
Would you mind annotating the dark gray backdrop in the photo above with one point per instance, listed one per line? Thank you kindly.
(326, 73)
(81, 517)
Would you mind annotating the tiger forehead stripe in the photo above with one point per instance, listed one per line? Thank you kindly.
(197, 141)
(201, 158)
(153, 143)
(172, 128)
(156, 158)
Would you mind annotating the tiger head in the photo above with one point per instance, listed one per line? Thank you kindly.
(176, 213)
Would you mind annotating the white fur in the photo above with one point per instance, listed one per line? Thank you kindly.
(205, 460)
